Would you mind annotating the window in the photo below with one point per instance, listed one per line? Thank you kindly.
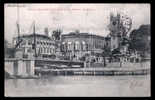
(83, 45)
(77, 45)
(40, 50)
(44, 50)
(47, 50)
(69, 45)
(50, 50)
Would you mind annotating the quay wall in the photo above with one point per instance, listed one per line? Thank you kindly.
(123, 65)
(21, 67)
(143, 71)
(9, 67)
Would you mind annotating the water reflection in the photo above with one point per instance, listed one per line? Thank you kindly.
(15, 83)
(80, 86)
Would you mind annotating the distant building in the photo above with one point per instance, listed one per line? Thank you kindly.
(44, 45)
(76, 45)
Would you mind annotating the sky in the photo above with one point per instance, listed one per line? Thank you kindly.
(92, 18)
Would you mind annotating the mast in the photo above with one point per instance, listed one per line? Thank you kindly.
(34, 44)
(18, 26)
(18, 29)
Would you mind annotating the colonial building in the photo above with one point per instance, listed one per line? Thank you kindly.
(44, 46)
(76, 45)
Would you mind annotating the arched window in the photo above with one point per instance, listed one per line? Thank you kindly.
(47, 50)
(40, 50)
(63, 46)
(69, 45)
(44, 50)
(51, 50)
(83, 45)
(77, 45)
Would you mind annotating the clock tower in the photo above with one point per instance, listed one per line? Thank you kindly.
(119, 27)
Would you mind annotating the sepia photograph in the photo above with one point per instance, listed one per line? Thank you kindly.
(77, 50)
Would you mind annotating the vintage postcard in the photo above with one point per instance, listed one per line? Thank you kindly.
(77, 50)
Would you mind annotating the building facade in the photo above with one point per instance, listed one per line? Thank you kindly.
(77, 45)
(44, 46)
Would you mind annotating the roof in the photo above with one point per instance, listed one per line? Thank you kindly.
(73, 34)
(37, 35)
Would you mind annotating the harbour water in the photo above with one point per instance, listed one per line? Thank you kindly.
(79, 86)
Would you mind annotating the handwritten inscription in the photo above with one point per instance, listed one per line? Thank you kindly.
(136, 84)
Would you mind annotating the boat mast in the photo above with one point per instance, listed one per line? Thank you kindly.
(18, 26)
(34, 44)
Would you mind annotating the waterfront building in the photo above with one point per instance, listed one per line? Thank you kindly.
(76, 45)
(44, 46)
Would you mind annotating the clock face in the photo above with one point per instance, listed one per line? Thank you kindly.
(114, 23)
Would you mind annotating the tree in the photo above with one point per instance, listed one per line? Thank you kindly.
(116, 51)
(106, 51)
(56, 34)
(140, 39)
(120, 24)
